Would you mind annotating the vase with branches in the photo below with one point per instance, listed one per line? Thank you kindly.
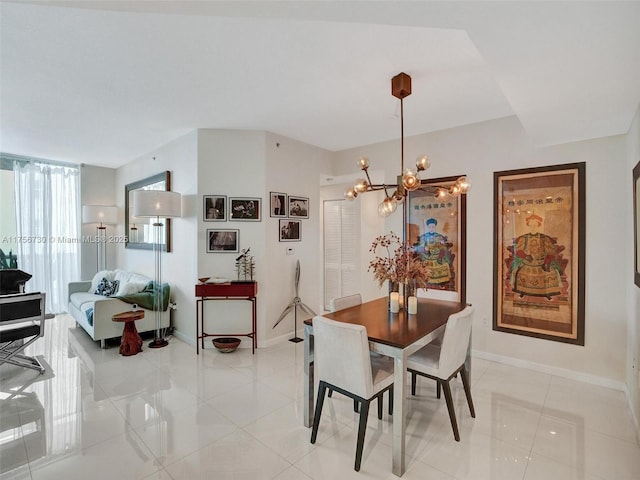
(398, 265)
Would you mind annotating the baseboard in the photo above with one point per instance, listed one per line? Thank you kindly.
(557, 371)
(180, 336)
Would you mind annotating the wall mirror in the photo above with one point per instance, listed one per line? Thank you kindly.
(140, 231)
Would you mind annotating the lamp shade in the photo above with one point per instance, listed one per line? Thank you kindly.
(156, 203)
(99, 214)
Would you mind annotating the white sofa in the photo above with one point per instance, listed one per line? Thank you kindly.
(82, 298)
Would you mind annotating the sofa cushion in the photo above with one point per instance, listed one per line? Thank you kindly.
(107, 288)
(78, 299)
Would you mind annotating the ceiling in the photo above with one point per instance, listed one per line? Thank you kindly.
(103, 82)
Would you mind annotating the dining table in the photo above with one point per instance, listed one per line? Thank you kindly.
(396, 335)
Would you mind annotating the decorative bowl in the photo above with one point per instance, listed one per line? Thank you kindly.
(226, 344)
(203, 279)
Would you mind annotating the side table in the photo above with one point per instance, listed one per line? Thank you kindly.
(131, 342)
(225, 291)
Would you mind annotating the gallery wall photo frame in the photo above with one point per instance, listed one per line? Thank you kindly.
(223, 241)
(214, 208)
(539, 252)
(298, 207)
(437, 230)
(290, 230)
(636, 223)
(278, 203)
(245, 209)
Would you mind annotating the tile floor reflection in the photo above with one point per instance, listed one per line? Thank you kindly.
(170, 414)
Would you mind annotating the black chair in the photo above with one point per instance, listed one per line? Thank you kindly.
(21, 323)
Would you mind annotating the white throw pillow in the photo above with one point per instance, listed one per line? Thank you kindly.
(130, 282)
(131, 287)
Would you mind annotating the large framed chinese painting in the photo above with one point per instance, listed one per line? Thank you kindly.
(436, 228)
(539, 241)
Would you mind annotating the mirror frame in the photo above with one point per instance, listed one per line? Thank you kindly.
(160, 177)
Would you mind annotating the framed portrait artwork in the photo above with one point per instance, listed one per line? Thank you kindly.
(436, 228)
(215, 208)
(539, 238)
(278, 204)
(245, 209)
(298, 207)
(223, 241)
(636, 223)
(290, 230)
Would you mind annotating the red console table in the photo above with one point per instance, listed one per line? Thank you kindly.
(225, 291)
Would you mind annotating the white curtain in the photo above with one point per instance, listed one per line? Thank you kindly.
(47, 226)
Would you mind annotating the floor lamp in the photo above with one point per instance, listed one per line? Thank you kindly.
(157, 204)
(104, 215)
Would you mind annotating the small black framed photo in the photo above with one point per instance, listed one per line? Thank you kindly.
(298, 207)
(215, 208)
(245, 209)
(278, 204)
(290, 230)
(223, 241)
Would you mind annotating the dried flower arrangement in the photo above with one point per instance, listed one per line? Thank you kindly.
(401, 264)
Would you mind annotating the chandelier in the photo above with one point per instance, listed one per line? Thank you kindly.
(409, 179)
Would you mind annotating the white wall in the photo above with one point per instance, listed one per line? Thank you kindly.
(97, 188)
(633, 355)
(179, 265)
(480, 149)
(293, 168)
(231, 163)
(252, 164)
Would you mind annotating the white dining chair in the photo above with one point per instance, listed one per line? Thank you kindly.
(341, 303)
(443, 362)
(343, 363)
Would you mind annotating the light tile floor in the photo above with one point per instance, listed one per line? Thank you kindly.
(171, 414)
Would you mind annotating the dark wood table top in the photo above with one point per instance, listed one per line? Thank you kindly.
(397, 329)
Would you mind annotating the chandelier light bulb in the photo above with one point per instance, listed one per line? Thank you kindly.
(410, 181)
(363, 163)
(454, 190)
(398, 196)
(361, 185)
(442, 193)
(422, 163)
(387, 207)
(350, 194)
(464, 184)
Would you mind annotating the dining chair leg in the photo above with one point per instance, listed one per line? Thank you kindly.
(356, 406)
(414, 379)
(467, 390)
(380, 404)
(437, 389)
(362, 426)
(316, 417)
(452, 413)
(391, 400)
(330, 392)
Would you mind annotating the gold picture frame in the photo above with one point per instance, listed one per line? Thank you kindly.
(437, 230)
(539, 255)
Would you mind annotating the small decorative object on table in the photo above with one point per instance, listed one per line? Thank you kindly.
(402, 268)
(226, 344)
(245, 265)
